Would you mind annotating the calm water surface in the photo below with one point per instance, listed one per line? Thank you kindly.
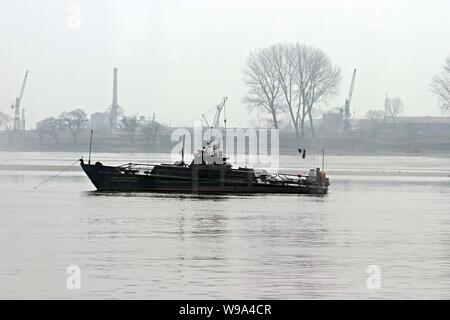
(393, 212)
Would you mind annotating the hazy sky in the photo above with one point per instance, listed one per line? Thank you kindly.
(178, 58)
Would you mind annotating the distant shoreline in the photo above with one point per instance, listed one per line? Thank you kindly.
(292, 152)
(355, 144)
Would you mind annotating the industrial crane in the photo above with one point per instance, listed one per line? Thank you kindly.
(347, 114)
(216, 121)
(18, 124)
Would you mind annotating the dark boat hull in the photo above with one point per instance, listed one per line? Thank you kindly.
(106, 178)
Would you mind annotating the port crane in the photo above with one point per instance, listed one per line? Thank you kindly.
(216, 121)
(348, 101)
(18, 122)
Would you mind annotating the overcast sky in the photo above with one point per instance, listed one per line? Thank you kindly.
(177, 58)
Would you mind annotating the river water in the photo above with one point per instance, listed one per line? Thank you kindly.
(389, 212)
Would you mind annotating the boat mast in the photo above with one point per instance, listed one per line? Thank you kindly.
(90, 147)
(323, 159)
(182, 150)
(225, 127)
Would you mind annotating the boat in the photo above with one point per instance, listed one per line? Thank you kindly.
(209, 172)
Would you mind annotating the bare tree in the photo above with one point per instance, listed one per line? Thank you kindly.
(6, 124)
(393, 108)
(286, 73)
(307, 77)
(151, 131)
(49, 126)
(130, 124)
(5, 121)
(318, 80)
(440, 86)
(262, 82)
(75, 121)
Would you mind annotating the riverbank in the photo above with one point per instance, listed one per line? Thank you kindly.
(351, 144)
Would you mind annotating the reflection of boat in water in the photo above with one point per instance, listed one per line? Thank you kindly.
(209, 172)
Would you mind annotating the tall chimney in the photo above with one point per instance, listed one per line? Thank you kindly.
(115, 89)
(114, 105)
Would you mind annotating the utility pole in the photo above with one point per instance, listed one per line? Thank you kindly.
(323, 159)
(90, 146)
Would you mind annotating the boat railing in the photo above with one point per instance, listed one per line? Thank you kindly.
(136, 167)
(286, 178)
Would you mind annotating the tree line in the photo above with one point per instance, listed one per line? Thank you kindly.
(76, 121)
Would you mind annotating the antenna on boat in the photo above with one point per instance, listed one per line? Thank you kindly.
(225, 113)
(90, 147)
(182, 149)
(323, 159)
(225, 127)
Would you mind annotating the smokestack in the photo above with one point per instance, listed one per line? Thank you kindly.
(114, 105)
(115, 88)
